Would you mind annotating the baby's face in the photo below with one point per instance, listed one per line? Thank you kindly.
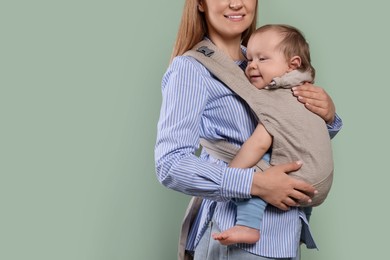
(265, 60)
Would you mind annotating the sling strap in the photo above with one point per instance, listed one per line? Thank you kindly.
(225, 151)
(189, 217)
(233, 76)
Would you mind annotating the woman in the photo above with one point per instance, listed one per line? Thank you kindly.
(196, 105)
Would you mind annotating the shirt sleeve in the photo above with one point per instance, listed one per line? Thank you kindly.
(335, 127)
(184, 98)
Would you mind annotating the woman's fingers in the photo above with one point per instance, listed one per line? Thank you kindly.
(316, 100)
(277, 188)
(301, 198)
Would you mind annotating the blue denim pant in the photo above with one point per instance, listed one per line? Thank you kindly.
(210, 249)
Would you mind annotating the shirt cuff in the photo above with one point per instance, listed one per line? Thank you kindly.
(335, 127)
(337, 123)
(237, 183)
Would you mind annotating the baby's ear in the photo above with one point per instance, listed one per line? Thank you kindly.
(295, 62)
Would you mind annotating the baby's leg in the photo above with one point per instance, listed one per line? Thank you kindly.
(247, 229)
(238, 234)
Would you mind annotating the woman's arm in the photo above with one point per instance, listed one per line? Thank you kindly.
(184, 100)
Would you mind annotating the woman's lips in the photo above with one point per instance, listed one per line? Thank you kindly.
(235, 17)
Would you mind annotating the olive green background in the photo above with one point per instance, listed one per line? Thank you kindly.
(79, 102)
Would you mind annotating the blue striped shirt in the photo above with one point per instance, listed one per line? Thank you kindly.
(196, 105)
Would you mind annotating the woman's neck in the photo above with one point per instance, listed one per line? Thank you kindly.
(231, 47)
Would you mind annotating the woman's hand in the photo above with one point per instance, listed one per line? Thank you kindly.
(316, 100)
(277, 188)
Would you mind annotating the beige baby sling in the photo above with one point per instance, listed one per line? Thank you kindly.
(298, 134)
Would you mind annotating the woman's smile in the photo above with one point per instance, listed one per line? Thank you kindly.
(235, 17)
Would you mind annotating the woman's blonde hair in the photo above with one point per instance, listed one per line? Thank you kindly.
(292, 44)
(193, 28)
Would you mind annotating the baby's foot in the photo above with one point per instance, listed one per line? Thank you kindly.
(238, 234)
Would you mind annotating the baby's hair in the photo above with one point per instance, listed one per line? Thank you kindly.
(293, 44)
